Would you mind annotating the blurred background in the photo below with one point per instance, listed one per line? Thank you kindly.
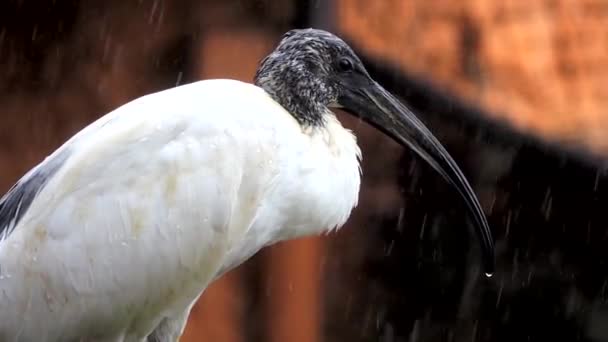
(517, 91)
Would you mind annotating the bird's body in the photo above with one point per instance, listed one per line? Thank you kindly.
(188, 172)
(115, 235)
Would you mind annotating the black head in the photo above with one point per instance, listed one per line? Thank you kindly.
(304, 71)
(311, 71)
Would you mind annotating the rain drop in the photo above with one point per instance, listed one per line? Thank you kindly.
(179, 79)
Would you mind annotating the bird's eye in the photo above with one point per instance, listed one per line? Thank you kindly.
(345, 64)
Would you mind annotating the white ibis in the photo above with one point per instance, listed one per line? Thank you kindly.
(116, 234)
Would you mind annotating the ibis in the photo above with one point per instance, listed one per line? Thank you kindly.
(116, 234)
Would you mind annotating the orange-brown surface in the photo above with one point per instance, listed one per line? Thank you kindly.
(543, 65)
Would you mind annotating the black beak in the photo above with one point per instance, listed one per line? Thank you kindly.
(376, 106)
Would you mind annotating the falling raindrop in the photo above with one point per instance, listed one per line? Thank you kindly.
(153, 12)
(499, 297)
(34, 32)
(547, 204)
(400, 219)
(389, 250)
(423, 226)
(508, 224)
(179, 78)
(492, 203)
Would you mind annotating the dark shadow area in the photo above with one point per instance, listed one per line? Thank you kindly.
(420, 276)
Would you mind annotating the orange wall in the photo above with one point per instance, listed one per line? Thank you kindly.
(543, 65)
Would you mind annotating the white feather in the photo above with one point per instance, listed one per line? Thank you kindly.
(160, 197)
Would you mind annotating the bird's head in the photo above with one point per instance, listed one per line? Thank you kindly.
(303, 73)
(312, 71)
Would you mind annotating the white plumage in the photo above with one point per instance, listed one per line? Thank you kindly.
(188, 173)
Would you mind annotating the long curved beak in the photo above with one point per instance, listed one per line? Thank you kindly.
(372, 103)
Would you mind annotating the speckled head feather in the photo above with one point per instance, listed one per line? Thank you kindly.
(301, 73)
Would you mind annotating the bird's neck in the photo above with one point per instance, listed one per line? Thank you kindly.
(329, 176)
(325, 163)
(300, 96)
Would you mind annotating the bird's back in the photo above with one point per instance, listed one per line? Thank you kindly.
(155, 200)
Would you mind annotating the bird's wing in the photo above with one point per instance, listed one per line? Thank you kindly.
(18, 199)
(16, 202)
(137, 217)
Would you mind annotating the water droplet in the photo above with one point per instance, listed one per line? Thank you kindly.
(179, 78)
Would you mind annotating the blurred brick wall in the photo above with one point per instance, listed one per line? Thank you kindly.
(543, 65)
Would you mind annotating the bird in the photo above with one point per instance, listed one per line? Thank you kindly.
(116, 233)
